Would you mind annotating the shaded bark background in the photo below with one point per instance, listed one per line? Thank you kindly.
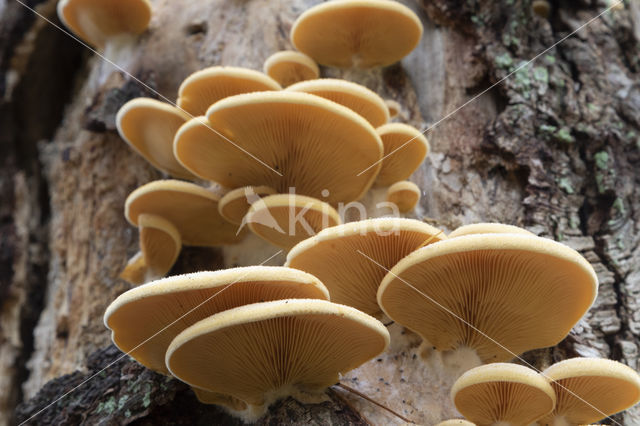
(554, 148)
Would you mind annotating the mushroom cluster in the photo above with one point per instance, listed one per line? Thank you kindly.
(573, 392)
(266, 149)
(245, 337)
(281, 160)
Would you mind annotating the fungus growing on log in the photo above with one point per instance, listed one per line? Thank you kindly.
(289, 67)
(338, 256)
(590, 389)
(149, 126)
(205, 87)
(263, 352)
(144, 320)
(496, 294)
(503, 394)
(282, 140)
(404, 194)
(357, 33)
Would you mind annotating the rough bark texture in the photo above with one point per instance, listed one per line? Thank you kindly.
(554, 148)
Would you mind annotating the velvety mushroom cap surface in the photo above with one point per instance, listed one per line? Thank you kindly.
(286, 219)
(315, 144)
(149, 126)
(95, 21)
(590, 389)
(402, 161)
(404, 194)
(353, 279)
(235, 204)
(522, 291)
(499, 392)
(488, 228)
(289, 67)
(156, 312)
(205, 87)
(354, 96)
(360, 33)
(272, 349)
(160, 245)
(193, 210)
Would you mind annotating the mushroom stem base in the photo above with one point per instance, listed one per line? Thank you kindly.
(454, 362)
(254, 412)
(560, 421)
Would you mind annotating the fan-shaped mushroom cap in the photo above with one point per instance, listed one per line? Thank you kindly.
(193, 210)
(404, 194)
(160, 245)
(265, 351)
(488, 228)
(234, 205)
(456, 422)
(354, 96)
(590, 389)
(353, 279)
(286, 219)
(145, 319)
(205, 87)
(500, 294)
(401, 157)
(361, 33)
(394, 109)
(314, 143)
(98, 20)
(507, 393)
(149, 126)
(289, 67)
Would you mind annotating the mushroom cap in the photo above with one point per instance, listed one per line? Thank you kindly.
(149, 126)
(289, 67)
(193, 210)
(523, 292)
(404, 194)
(488, 228)
(394, 109)
(286, 219)
(235, 204)
(361, 33)
(502, 392)
(353, 279)
(205, 87)
(354, 96)
(401, 157)
(314, 143)
(160, 245)
(145, 319)
(95, 21)
(456, 422)
(268, 350)
(607, 386)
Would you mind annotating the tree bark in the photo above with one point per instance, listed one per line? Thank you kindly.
(554, 147)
